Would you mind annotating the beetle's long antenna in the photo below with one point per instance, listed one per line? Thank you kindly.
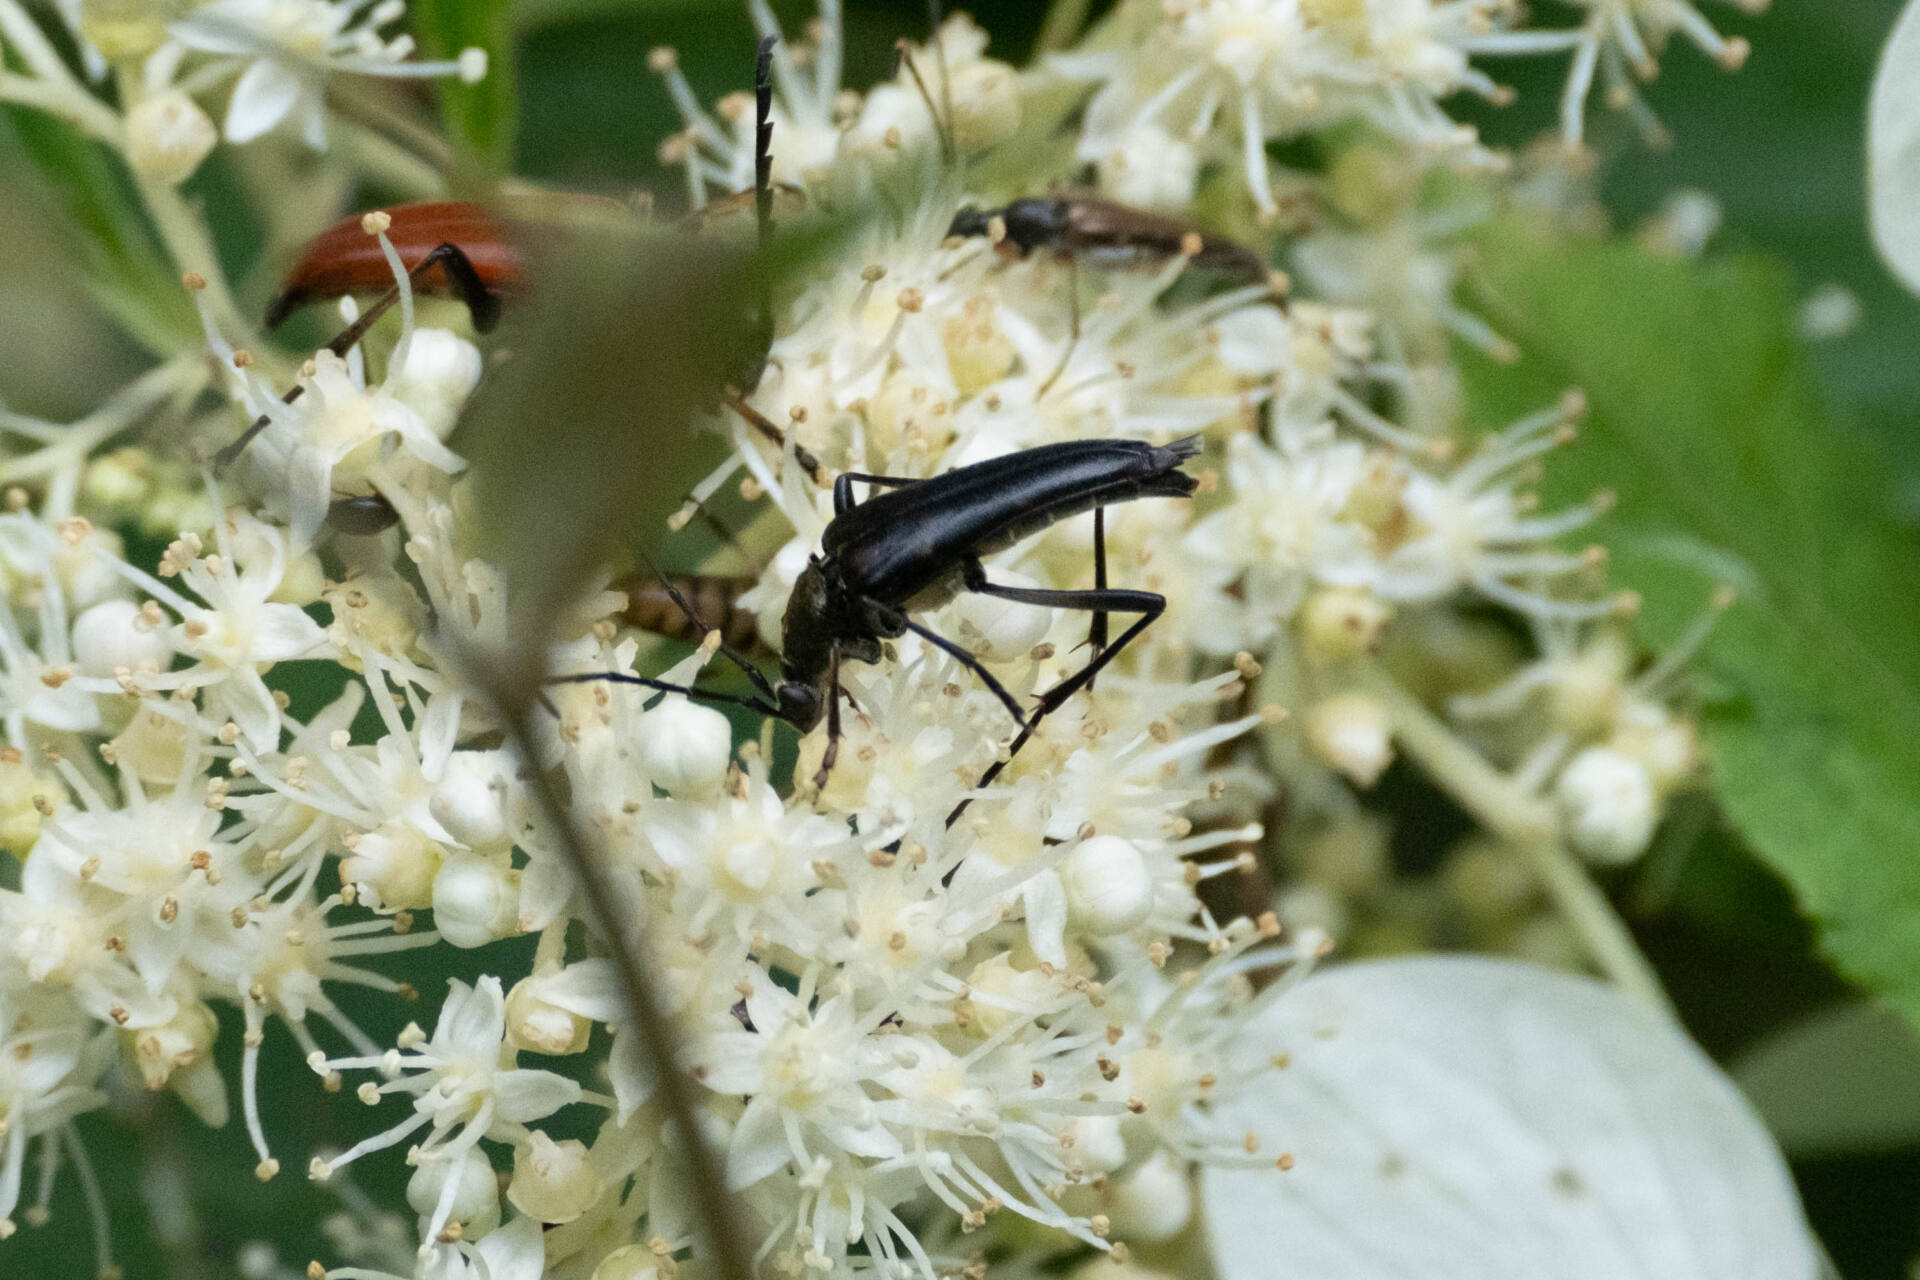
(763, 194)
(778, 439)
(752, 672)
(941, 128)
(763, 141)
(648, 682)
(934, 21)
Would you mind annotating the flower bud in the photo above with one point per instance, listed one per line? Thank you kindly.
(398, 864)
(1109, 888)
(979, 352)
(118, 482)
(685, 747)
(986, 104)
(1586, 688)
(1341, 622)
(379, 612)
(1665, 745)
(128, 30)
(1000, 630)
(1151, 168)
(1106, 1268)
(553, 1181)
(475, 900)
(154, 1053)
(1004, 994)
(114, 634)
(203, 1089)
(470, 800)
(168, 136)
(442, 370)
(1098, 1145)
(629, 1262)
(84, 565)
(25, 799)
(476, 1197)
(1607, 805)
(1353, 733)
(1155, 1200)
(537, 1024)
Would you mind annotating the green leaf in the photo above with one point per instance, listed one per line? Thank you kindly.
(128, 273)
(1730, 471)
(484, 116)
(588, 438)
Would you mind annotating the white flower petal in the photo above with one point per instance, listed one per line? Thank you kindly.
(265, 93)
(759, 1145)
(473, 1019)
(1893, 150)
(588, 988)
(244, 698)
(523, 1095)
(1466, 1117)
(283, 631)
(516, 1251)
(631, 1069)
(1046, 903)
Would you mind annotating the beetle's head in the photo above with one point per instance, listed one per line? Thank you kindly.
(971, 220)
(799, 704)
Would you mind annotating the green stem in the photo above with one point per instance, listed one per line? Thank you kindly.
(614, 918)
(78, 108)
(183, 232)
(33, 47)
(1526, 822)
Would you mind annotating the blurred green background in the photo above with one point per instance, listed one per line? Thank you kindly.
(1779, 144)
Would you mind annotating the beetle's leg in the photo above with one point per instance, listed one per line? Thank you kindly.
(1097, 629)
(1073, 313)
(843, 500)
(752, 672)
(482, 304)
(832, 753)
(971, 663)
(1149, 605)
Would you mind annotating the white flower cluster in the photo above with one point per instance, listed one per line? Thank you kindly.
(270, 57)
(904, 1032)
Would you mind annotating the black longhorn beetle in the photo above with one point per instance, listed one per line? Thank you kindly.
(918, 545)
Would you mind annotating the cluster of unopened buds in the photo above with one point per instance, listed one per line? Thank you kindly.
(901, 1030)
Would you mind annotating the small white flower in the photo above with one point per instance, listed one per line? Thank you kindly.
(286, 48)
(1622, 41)
(1608, 803)
(1353, 733)
(464, 1088)
(50, 1060)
